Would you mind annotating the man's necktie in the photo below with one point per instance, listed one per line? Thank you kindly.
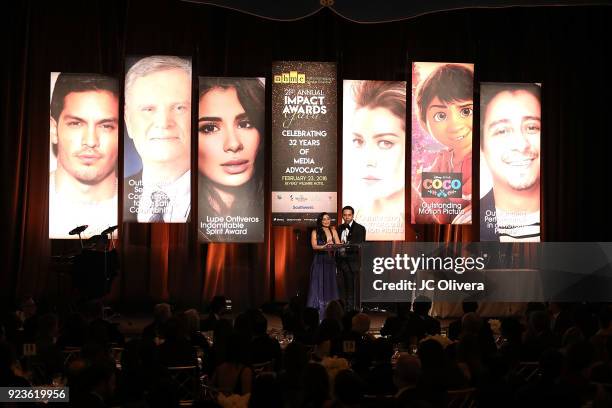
(159, 205)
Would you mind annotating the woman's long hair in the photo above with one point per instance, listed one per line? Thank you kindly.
(319, 228)
(251, 95)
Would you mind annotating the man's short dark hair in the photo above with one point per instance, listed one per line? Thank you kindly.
(348, 207)
(218, 304)
(421, 305)
(469, 306)
(490, 90)
(449, 82)
(68, 83)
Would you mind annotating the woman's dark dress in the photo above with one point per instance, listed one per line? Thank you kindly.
(323, 286)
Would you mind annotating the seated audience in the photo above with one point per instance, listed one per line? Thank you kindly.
(162, 312)
(216, 310)
(454, 328)
(262, 347)
(233, 376)
(176, 350)
(406, 377)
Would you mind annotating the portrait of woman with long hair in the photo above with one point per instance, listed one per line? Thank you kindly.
(230, 159)
(374, 156)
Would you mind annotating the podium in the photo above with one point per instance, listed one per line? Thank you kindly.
(93, 272)
(348, 263)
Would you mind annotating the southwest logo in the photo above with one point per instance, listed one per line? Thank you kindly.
(441, 185)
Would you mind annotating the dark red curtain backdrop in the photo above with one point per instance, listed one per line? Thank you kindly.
(562, 47)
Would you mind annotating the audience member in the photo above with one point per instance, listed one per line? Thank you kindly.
(98, 386)
(295, 360)
(100, 330)
(73, 332)
(162, 312)
(315, 387)
(349, 389)
(406, 378)
(394, 325)
(334, 311)
(233, 376)
(379, 377)
(196, 338)
(29, 318)
(538, 337)
(560, 317)
(311, 326)
(47, 352)
(438, 374)
(454, 328)
(216, 310)
(176, 350)
(328, 331)
(10, 372)
(263, 348)
(293, 316)
(265, 392)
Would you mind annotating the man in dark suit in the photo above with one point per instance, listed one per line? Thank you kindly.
(351, 233)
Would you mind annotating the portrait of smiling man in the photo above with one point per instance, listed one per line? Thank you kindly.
(510, 147)
(158, 121)
(83, 128)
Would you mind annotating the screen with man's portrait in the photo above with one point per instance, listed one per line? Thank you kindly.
(304, 127)
(231, 132)
(374, 156)
(157, 139)
(510, 129)
(442, 122)
(83, 130)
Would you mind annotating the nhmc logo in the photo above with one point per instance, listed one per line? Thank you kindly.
(291, 77)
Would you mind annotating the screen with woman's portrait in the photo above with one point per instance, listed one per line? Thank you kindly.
(374, 156)
(231, 120)
(83, 130)
(510, 127)
(442, 121)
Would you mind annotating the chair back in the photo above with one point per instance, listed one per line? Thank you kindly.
(263, 367)
(528, 370)
(378, 401)
(185, 379)
(70, 354)
(463, 398)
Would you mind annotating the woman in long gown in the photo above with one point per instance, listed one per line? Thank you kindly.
(323, 287)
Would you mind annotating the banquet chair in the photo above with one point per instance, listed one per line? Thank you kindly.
(462, 398)
(70, 354)
(528, 370)
(263, 367)
(378, 401)
(186, 380)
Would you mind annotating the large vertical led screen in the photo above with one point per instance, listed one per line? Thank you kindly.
(83, 129)
(442, 122)
(374, 156)
(157, 140)
(231, 132)
(510, 127)
(304, 126)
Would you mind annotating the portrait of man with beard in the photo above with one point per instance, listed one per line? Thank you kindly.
(510, 148)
